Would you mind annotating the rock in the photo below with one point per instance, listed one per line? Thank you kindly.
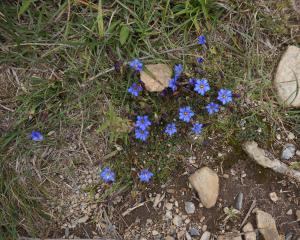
(266, 225)
(177, 220)
(238, 203)
(287, 77)
(169, 238)
(204, 228)
(205, 236)
(298, 153)
(289, 236)
(169, 206)
(154, 232)
(298, 215)
(296, 5)
(156, 77)
(194, 232)
(189, 207)
(206, 182)
(289, 212)
(289, 151)
(291, 136)
(230, 236)
(180, 235)
(188, 236)
(273, 197)
(249, 232)
(168, 214)
(83, 219)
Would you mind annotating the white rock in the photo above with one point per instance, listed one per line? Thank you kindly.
(273, 197)
(205, 236)
(289, 151)
(177, 220)
(169, 206)
(230, 236)
(289, 212)
(206, 182)
(266, 225)
(169, 238)
(249, 232)
(154, 232)
(204, 228)
(189, 207)
(287, 77)
(188, 236)
(168, 214)
(291, 136)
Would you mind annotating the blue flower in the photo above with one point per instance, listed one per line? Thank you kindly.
(212, 108)
(178, 69)
(143, 122)
(136, 64)
(197, 128)
(186, 113)
(201, 40)
(170, 129)
(225, 96)
(108, 175)
(135, 89)
(37, 136)
(172, 84)
(192, 81)
(200, 60)
(201, 86)
(145, 175)
(141, 134)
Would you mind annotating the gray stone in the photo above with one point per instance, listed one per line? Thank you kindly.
(189, 207)
(194, 232)
(289, 151)
(289, 236)
(238, 202)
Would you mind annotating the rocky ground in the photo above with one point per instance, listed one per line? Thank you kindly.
(231, 198)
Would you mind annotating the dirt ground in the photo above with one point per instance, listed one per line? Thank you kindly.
(131, 214)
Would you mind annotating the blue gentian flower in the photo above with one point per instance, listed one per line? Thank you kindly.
(197, 128)
(178, 69)
(170, 129)
(172, 84)
(141, 134)
(212, 108)
(200, 60)
(136, 64)
(108, 175)
(192, 81)
(201, 86)
(186, 113)
(37, 136)
(201, 39)
(145, 175)
(135, 89)
(142, 122)
(225, 96)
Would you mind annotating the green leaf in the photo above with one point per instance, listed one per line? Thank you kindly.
(25, 6)
(124, 34)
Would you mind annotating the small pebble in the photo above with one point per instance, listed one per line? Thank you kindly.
(177, 220)
(291, 136)
(226, 175)
(205, 236)
(169, 206)
(204, 228)
(289, 212)
(289, 151)
(154, 232)
(273, 197)
(194, 232)
(189, 207)
(298, 215)
(238, 203)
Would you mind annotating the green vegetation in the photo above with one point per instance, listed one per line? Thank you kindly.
(61, 54)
